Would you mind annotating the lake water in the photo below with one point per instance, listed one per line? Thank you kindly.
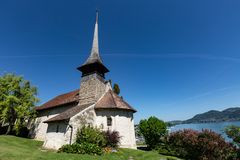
(216, 127)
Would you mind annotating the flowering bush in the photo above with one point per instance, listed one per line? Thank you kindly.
(205, 145)
(112, 138)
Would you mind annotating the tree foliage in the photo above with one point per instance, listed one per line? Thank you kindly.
(17, 99)
(92, 135)
(112, 138)
(233, 132)
(152, 130)
(81, 148)
(204, 145)
(116, 89)
(91, 140)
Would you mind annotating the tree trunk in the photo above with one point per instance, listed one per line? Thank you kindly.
(11, 121)
(9, 130)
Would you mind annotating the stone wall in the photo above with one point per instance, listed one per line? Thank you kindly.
(92, 87)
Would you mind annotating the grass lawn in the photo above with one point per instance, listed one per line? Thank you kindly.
(15, 148)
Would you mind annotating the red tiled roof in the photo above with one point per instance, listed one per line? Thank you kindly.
(112, 101)
(66, 98)
(68, 113)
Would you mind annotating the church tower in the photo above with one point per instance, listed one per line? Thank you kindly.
(93, 84)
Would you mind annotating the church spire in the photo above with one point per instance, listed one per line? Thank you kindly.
(94, 55)
(94, 63)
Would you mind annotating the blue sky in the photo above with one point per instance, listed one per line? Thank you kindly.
(172, 58)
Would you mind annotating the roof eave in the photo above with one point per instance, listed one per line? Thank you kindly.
(50, 107)
(116, 108)
(83, 67)
(52, 121)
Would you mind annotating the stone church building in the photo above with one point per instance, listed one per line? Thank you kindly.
(94, 104)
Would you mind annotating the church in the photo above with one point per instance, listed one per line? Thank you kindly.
(94, 103)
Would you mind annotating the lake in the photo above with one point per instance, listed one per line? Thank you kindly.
(216, 127)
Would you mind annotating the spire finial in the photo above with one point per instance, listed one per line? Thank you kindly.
(96, 15)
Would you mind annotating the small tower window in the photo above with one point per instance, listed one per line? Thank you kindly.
(109, 121)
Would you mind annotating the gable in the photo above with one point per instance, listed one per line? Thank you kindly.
(68, 113)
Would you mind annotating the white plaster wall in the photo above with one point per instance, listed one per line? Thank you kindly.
(54, 139)
(40, 128)
(122, 121)
(66, 134)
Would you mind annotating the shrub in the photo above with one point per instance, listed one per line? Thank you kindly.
(233, 132)
(152, 130)
(112, 138)
(88, 134)
(166, 150)
(205, 145)
(83, 148)
(66, 148)
(91, 140)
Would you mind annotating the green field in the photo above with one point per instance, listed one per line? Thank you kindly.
(15, 148)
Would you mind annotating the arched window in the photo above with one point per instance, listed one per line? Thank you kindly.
(109, 121)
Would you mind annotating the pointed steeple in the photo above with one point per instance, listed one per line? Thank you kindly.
(94, 63)
(94, 55)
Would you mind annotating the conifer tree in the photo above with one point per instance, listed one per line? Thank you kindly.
(116, 89)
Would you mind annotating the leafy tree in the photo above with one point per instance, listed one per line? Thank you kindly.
(233, 132)
(152, 130)
(17, 99)
(116, 89)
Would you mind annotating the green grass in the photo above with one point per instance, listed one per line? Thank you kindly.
(15, 148)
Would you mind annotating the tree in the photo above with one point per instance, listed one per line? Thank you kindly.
(233, 132)
(116, 89)
(17, 99)
(152, 130)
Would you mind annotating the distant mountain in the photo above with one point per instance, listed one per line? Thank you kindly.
(230, 114)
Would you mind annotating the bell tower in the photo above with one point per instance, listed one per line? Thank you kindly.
(93, 84)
